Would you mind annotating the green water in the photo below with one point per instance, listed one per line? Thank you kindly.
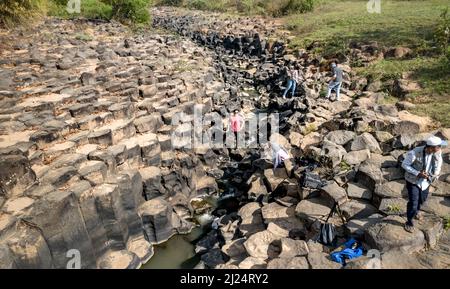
(176, 253)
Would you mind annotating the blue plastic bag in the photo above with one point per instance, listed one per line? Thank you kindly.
(347, 253)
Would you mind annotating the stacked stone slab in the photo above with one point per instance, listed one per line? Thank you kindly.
(85, 146)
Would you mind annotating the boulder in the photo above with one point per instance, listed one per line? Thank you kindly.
(393, 206)
(258, 245)
(156, 217)
(274, 177)
(394, 189)
(292, 248)
(357, 227)
(252, 221)
(356, 157)
(335, 192)
(312, 209)
(283, 217)
(320, 260)
(253, 263)
(366, 141)
(332, 152)
(340, 137)
(439, 206)
(358, 191)
(122, 259)
(357, 209)
(288, 263)
(390, 234)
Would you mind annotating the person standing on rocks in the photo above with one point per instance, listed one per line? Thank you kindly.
(236, 124)
(422, 165)
(293, 78)
(336, 81)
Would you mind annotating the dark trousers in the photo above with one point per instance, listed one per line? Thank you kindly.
(416, 198)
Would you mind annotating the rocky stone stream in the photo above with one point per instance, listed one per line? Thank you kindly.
(88, 163)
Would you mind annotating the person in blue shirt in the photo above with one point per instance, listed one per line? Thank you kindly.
(336, 81)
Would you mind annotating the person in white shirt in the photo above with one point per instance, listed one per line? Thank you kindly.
(422, 166)
(279, 155)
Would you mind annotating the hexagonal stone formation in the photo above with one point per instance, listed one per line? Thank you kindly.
(59, 177)
(332, 152)
(122, 110)
(439, 206)
(313, 209)
(58, 150)
(235, 249)
(151, 178)
(120, 129)
(17, 206)
(366, 141)
(340, 137)
(150, 123)
(394, 189)
(320, 260)
(357, 209)
(141, 248)
(119, 152)
(252, 220)
(288, 263)
(274, 177)
(259, 244)
(252, 263)
(29, 249)
(397, 259)
(283, 217)
(292, 248)
(432, 228)
(335, 192)
(356, 157)
(16, 174)
(87, 149)
(356, 227)
(393, 206)
(101, 137)
(440, 188)
(390, 234)
(72, 159)
(93, 171)
(358, 191)
(156, 217)
(205, 185)
(122, 259)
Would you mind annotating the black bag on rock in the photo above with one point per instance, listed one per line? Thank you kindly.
(327, 233)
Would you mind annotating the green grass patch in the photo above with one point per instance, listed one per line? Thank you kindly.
(133, 12)
(246, 7)
(420, 25)
(13, 12)
(394, 208)
(447, 223)
(405, 23)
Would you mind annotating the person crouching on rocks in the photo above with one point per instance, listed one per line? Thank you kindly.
(422, 165)
(336, 81)
(279, 155)
(236, 124)
(293, 78)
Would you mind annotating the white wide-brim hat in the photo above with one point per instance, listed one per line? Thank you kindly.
(436, 141)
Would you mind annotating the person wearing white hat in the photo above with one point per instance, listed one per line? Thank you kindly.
(422, 166)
